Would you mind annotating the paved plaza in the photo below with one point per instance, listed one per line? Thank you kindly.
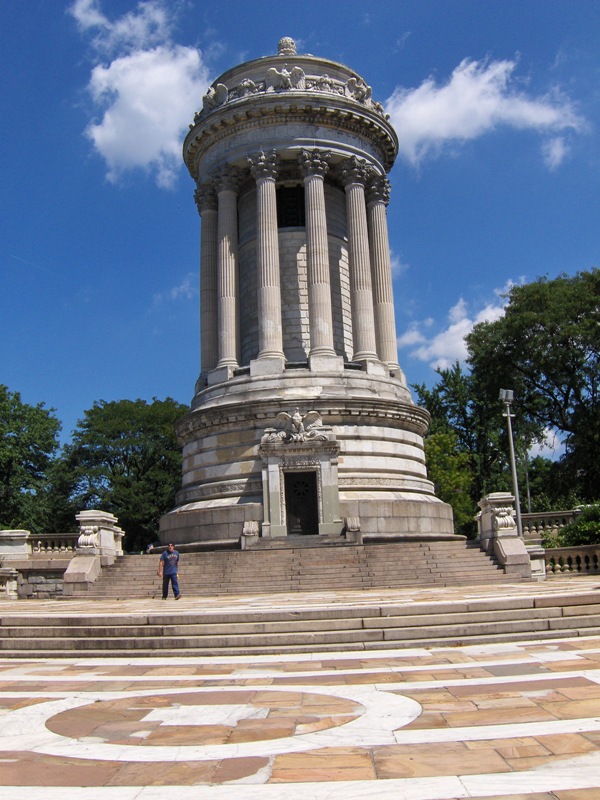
(505, 720)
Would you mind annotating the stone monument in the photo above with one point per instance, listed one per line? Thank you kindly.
(302, 423)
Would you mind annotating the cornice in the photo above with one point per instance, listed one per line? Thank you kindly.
(285, 109)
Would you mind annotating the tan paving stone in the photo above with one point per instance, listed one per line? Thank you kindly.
(520, 747)
(322, 765)
(577, 794)
(498, 716)
(427, 720)
(573, 709)
(30, 769)
(164, 774)
(428, 760)
(567, 743)
(235, 769)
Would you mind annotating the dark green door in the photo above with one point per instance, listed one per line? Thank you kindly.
(301, 505)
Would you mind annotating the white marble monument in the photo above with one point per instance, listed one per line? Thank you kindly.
(302, 422)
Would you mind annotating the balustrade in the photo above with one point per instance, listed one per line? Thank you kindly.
(52, 543)
(583, 560)
(546, 523)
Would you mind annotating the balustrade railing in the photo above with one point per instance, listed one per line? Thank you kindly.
(53, 543)
(582, 560)
(546, 523)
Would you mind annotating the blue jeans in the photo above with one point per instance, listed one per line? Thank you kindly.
(174, 583)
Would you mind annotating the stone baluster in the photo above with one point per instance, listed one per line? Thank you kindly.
(227, 279)
(354, 176)
(206, 200)
(378, 197)
(314, 166)
(263, 167)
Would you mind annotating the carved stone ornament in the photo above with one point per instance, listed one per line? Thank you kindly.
(206, 197)
(88, 536)
(276, 80)
(503, 518)
(296, 428)
(286, 79)
(314, 162)
(378, 190)
(215, 96)
(263, 165)
(286, 47)
(356, 88)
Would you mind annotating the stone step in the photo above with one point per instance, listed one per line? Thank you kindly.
(332, 627)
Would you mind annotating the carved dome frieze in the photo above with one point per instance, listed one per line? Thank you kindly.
(290, 89)
(288, 80)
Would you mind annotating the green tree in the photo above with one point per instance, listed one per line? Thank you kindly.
(456, 407)
(450, 471)
(124, 458)
(547, 348)
(28, 442)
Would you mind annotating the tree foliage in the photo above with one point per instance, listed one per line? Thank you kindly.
(28, 442)
(449, 469)
(124, 458)
(585, 529)
(477, 438)
(547, 348)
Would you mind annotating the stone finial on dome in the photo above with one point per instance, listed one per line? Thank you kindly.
(286, 47)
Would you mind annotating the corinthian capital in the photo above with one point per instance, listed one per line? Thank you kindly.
(355, 170)
(206, 197)
(263, 165)
(378, 190)
(314, 162)
(229, 177)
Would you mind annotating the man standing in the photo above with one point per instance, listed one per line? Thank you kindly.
(167, 570)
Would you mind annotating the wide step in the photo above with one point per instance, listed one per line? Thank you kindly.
(177, 629)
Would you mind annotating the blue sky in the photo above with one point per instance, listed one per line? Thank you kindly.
(496, 103)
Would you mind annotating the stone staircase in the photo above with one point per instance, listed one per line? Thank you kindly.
(304, 568)
(184, 629)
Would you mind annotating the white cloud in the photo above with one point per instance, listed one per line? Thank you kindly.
(399, 267)
(554, 152)
(442, 349)
(479, 97)
(187, 289)
(550, 447)
(148, 25)
(145, 91)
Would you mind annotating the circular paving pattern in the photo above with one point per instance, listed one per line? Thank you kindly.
(204, 718)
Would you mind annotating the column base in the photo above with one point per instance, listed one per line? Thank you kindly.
(325, 363)
(372, 366)
(220, 374)
(269, 365)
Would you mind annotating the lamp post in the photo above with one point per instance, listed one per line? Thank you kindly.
(506, 396)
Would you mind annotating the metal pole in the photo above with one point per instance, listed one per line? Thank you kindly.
(506, 396)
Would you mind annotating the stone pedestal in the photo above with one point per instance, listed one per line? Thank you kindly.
(498, 534)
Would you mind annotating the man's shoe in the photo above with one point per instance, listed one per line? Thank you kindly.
(178, 596)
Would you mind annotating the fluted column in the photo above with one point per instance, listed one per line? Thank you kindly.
(378, 197)
(227, 278)
(314, 167)
(263, 167)
(354, 176)
(206, 200)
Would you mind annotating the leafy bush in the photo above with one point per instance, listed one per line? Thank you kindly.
(585, 529)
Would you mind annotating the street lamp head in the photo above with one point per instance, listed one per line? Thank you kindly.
(506, 395)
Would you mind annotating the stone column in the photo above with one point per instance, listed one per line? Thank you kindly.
(354, 176)
(314, 166)
(227, 277)
(263, 167)
(378, 196)
(206, 200)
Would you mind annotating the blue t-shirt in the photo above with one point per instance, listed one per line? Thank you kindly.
(171, 560)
